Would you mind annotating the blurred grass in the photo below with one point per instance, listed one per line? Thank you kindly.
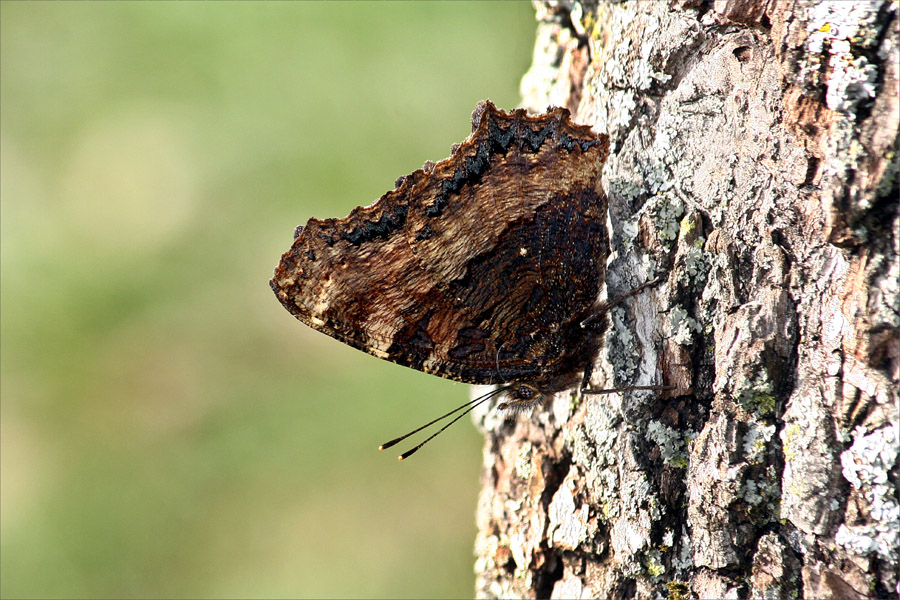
(167, 428)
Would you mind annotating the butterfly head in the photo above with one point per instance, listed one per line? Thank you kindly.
(522, 395)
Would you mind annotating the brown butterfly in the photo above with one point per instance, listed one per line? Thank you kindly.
(484, 268)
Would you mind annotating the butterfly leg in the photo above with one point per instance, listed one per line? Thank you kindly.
(589, 369)
(586, 380)
(587, 390)
(627, 388)
(604, 308)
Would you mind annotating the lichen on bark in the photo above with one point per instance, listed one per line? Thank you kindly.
(755, 167)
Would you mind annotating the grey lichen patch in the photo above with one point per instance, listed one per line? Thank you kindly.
(650, 265)
(665, 210)
(662, 211)
(628, 230)
(620, 345)
(866, 465)
(682, 327)
(762, 496)
(643, 45)
(682, 559)
(595, 442)
(750, 492)
(758, 399)
(695, 264)
(672, 444)
(691, 264)
(756, 442)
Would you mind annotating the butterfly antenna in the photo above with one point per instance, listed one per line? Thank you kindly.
(481, 400)
(630, 388)
(471, 404)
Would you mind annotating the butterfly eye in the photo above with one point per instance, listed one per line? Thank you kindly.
(524, 396)
(525, 392)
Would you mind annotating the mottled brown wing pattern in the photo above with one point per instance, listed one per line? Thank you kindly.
(477, 268)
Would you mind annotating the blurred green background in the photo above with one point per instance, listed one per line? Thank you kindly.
(168, 429)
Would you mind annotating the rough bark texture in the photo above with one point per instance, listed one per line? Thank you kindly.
(755, 166)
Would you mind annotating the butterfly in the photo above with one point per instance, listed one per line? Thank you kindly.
(483, 268)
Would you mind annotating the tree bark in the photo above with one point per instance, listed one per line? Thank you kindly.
(755, 167)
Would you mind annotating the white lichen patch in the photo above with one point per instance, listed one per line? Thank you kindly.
(841, 29)
(628, 230)
(681, 326)
(672, 444)
(764, 490)
(627, 538)
(568, 524)
(665, 210)
(750, 492)
(756, 393)
(866, 465)
(756, 441)
(649, 264)
(523, 461)
(695, 265)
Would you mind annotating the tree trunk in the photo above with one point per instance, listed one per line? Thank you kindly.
(754, 166)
